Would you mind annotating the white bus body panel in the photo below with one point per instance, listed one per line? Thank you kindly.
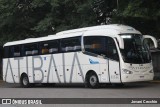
(140, 72)
(115, 76)
(58, 68)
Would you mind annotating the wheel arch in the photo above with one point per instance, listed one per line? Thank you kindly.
(23, 74)
(89, 72)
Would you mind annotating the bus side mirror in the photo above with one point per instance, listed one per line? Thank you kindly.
(152, 38)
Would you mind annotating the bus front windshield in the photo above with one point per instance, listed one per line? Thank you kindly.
(135, 51)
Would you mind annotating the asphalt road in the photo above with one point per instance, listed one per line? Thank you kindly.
(136, 90)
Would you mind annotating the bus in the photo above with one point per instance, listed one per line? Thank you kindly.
(115, 54)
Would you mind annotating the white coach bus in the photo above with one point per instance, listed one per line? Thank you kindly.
(114, 54)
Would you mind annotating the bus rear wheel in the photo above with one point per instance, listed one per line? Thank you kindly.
(25, 81)
(92, 81)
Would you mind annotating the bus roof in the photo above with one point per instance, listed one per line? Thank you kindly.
(76, 32)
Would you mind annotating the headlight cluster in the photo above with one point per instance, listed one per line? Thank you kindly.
(151, 71)
(127, 71)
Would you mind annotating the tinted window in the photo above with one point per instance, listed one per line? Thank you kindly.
(16, 51)
(135, 50)
(71, 44)
(31, 49)
(101, 45)
(49, 47)
(12, 51)
(112, 50)
(6, 52)
(96, 44)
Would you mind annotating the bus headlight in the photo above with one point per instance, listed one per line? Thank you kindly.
(127, 71)
(151, 71)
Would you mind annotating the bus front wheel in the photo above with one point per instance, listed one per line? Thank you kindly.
(25, 81)
(92, 81)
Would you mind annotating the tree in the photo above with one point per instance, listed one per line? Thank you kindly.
(142, 14)
(105, 10)
(68, 14)
(20, 19)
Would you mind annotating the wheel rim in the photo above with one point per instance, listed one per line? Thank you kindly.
(93, 80)
(25, 81)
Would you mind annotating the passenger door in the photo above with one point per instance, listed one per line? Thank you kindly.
(113, 62)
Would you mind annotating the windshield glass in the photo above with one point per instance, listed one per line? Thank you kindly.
(135, 51)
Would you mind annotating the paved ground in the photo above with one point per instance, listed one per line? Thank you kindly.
(136, 90)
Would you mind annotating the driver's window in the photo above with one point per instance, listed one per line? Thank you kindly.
(112, 50)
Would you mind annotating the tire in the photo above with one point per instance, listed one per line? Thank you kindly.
(92, 81)
(25, 81)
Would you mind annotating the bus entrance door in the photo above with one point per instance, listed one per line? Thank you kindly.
(114, 71)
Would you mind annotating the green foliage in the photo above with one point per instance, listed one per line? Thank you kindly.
(141, 14)
(147, 9)
(20, 19)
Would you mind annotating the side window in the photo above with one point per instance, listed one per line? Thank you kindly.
(49, 47)
(16, 51)
(96, 45)
(12, 51)
(101, 45)
(112, 50)
(6, 52)
(31, 49)
(44, 48)
(53, 46)
(71, 44)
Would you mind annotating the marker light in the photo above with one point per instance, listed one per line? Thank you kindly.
(126, 36)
